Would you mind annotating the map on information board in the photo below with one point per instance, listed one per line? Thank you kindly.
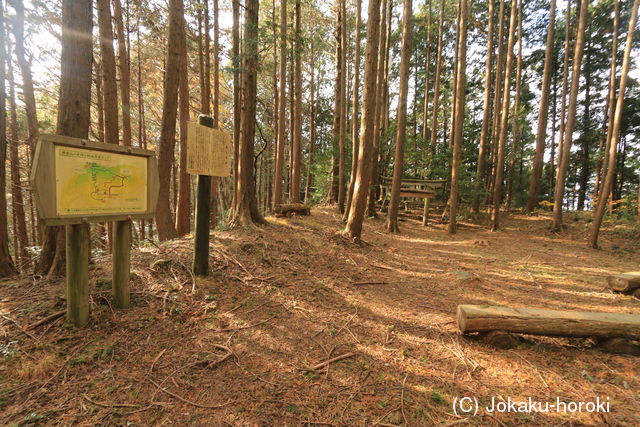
(93, 182)
(208, 151)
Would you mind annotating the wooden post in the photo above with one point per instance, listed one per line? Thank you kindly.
(203, 209)
(121, 263)
(425, 214)
(77, 274)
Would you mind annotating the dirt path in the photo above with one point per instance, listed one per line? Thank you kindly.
(285, 297)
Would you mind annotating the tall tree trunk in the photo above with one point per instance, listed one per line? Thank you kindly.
(611, 98)
(282, 99)
(125, 74)
(380, 101)
(337, 107)
(436, 87)
(497, 101)
(355, 104)
(343, 113)
(615, 130)
(247, 206)
(504, 121)
(297, 130)
(461, 83)
(7, 267)
(74, 105)
(565, 85)
(109, 85)
(215, 181)
(312, 126)
(25, 71)
(401, 134)
(515, 122)
(142, 132)
(427, 66)
(183, 206)
(563, 165)
(541, 135)
(166, 151)
(17, 200)
(237, 97)
(486, 115)
(585, 137)
(353, 228)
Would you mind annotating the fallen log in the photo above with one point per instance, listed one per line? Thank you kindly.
(536, 321)
(292, 208)
(625, 282)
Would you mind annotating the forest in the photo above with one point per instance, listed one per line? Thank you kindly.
(442, 196)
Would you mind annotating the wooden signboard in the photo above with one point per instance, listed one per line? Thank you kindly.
(208, 151)
(76, 181)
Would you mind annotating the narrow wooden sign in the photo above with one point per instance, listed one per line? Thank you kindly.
(208, 151)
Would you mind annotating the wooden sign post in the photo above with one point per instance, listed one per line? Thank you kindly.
(75, 182)
(208, 154)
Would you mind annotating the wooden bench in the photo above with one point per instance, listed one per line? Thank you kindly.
(426, 189)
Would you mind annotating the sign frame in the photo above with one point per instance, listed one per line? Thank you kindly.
(43, 180)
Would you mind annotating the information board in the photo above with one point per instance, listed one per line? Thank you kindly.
(76, 180)
(96, 182)
(208, 151)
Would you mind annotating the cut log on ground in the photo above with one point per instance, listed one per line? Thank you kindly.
(536, 321)
(625, 282)
(292, 208)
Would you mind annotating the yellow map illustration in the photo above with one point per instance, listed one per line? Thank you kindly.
(92, 182)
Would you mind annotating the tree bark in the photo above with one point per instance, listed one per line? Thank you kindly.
(27, 79)
(282, 123)
(515, 121)
(164, 217)
(355, 110)
(17, 199)
(486, 116)
(611, 99)
(183, 206)
(237, 96)
(247, 206)
(427, 66)
(398, 163)
(436, 87)
(312, 126)
(563, 165)
(109, 85)
(615, 130)
(353, 228)
(125, 74)
(541, 135)
(343, 110)
(297, 130)
(380, 106)
(565, 86)
(504, 121)
(461, 82)
(337, 107)
(74, 105)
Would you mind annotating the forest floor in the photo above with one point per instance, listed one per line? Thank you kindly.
(239, 347)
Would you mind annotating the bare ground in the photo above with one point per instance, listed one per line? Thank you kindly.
(239, 347)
